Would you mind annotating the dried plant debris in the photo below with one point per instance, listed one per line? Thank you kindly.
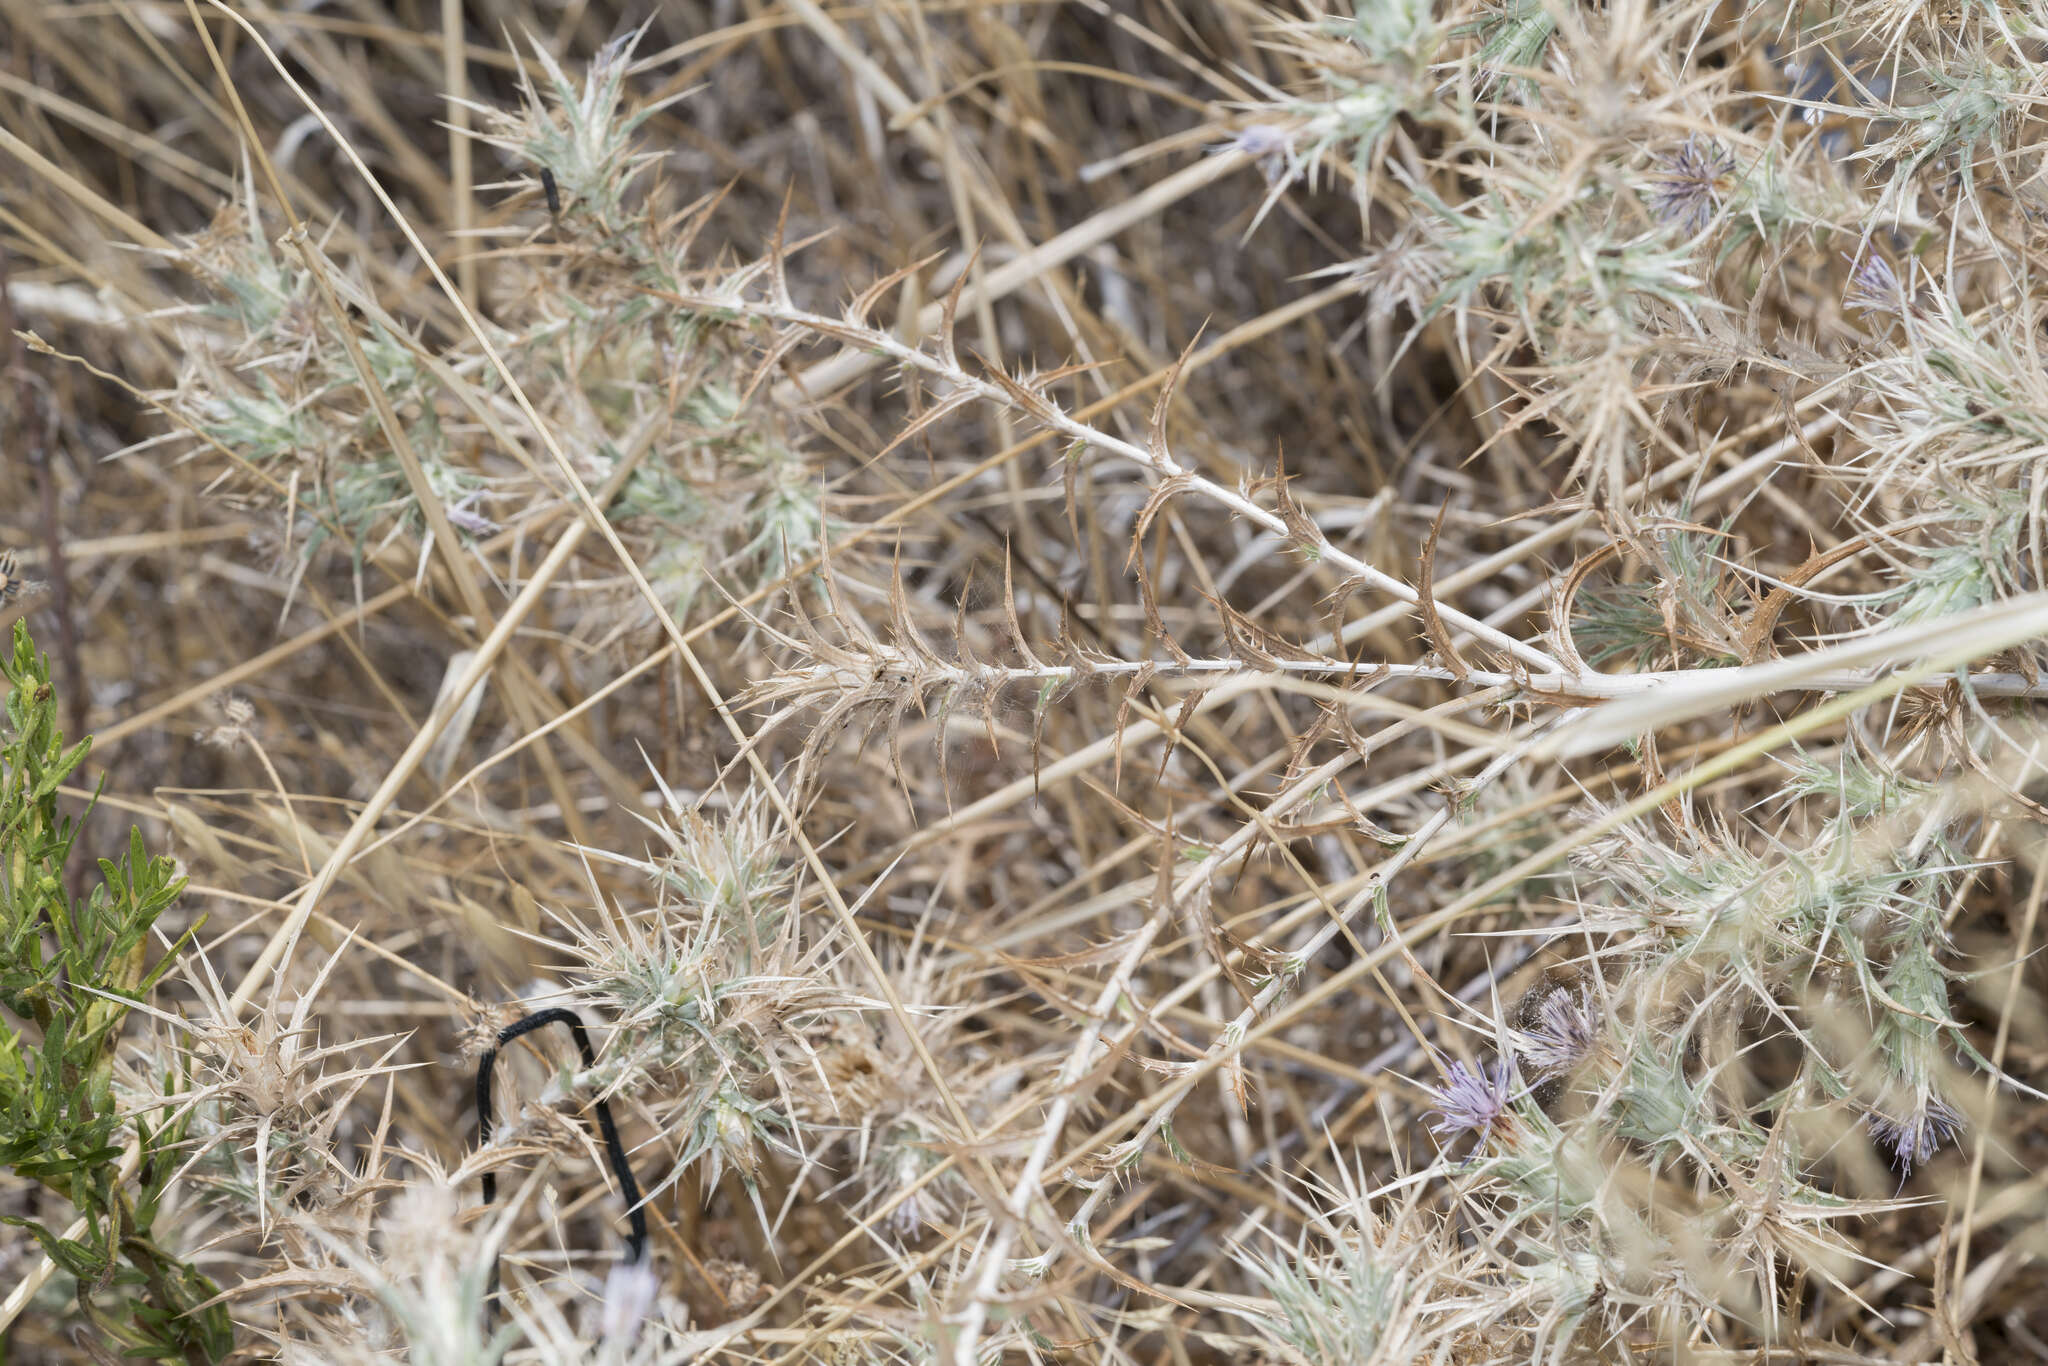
(1201, 683)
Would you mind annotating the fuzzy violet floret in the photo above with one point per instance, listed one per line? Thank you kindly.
(1477, 1101)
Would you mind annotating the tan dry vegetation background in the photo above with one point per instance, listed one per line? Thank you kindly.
(1175, 683)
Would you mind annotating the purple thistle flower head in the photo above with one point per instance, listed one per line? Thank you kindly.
(1918, 1132)
(1689, 188)
(1270, 145)
(1472, 1102)
(1564, 1035)
(464, 516)
(1874, 287)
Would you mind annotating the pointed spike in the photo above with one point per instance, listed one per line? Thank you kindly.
(951, 308)
(1156, 429)
(863, 303)
(1425, 599)
(1023, 645)
(777, 253)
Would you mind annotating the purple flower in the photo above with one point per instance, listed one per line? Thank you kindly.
(1564, 1034)
(465, 517)
(1689, 188)
(1270, 145)
(1915, 1135)
(1472, 1102)
(1874, 287)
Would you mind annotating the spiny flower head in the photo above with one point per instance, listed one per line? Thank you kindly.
(1916, 1131)
(578, 132)
(1874, 287)
(237, 715)
(1473, 1102)
(1691, 185)
(1271, 145)
(1566, 1032)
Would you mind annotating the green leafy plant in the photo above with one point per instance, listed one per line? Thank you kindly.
(69, 967)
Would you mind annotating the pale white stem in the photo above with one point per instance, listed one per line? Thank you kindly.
(1575, 688)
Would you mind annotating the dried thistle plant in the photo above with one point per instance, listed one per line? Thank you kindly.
(1256, 685)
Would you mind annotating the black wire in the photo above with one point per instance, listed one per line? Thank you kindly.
(615, 1151)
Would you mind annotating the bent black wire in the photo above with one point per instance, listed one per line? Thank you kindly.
(614, 1150)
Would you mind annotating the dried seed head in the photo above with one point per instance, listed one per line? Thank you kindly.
(1406, 273)
(738, 1284)
(236, 715)
(480, 1035)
